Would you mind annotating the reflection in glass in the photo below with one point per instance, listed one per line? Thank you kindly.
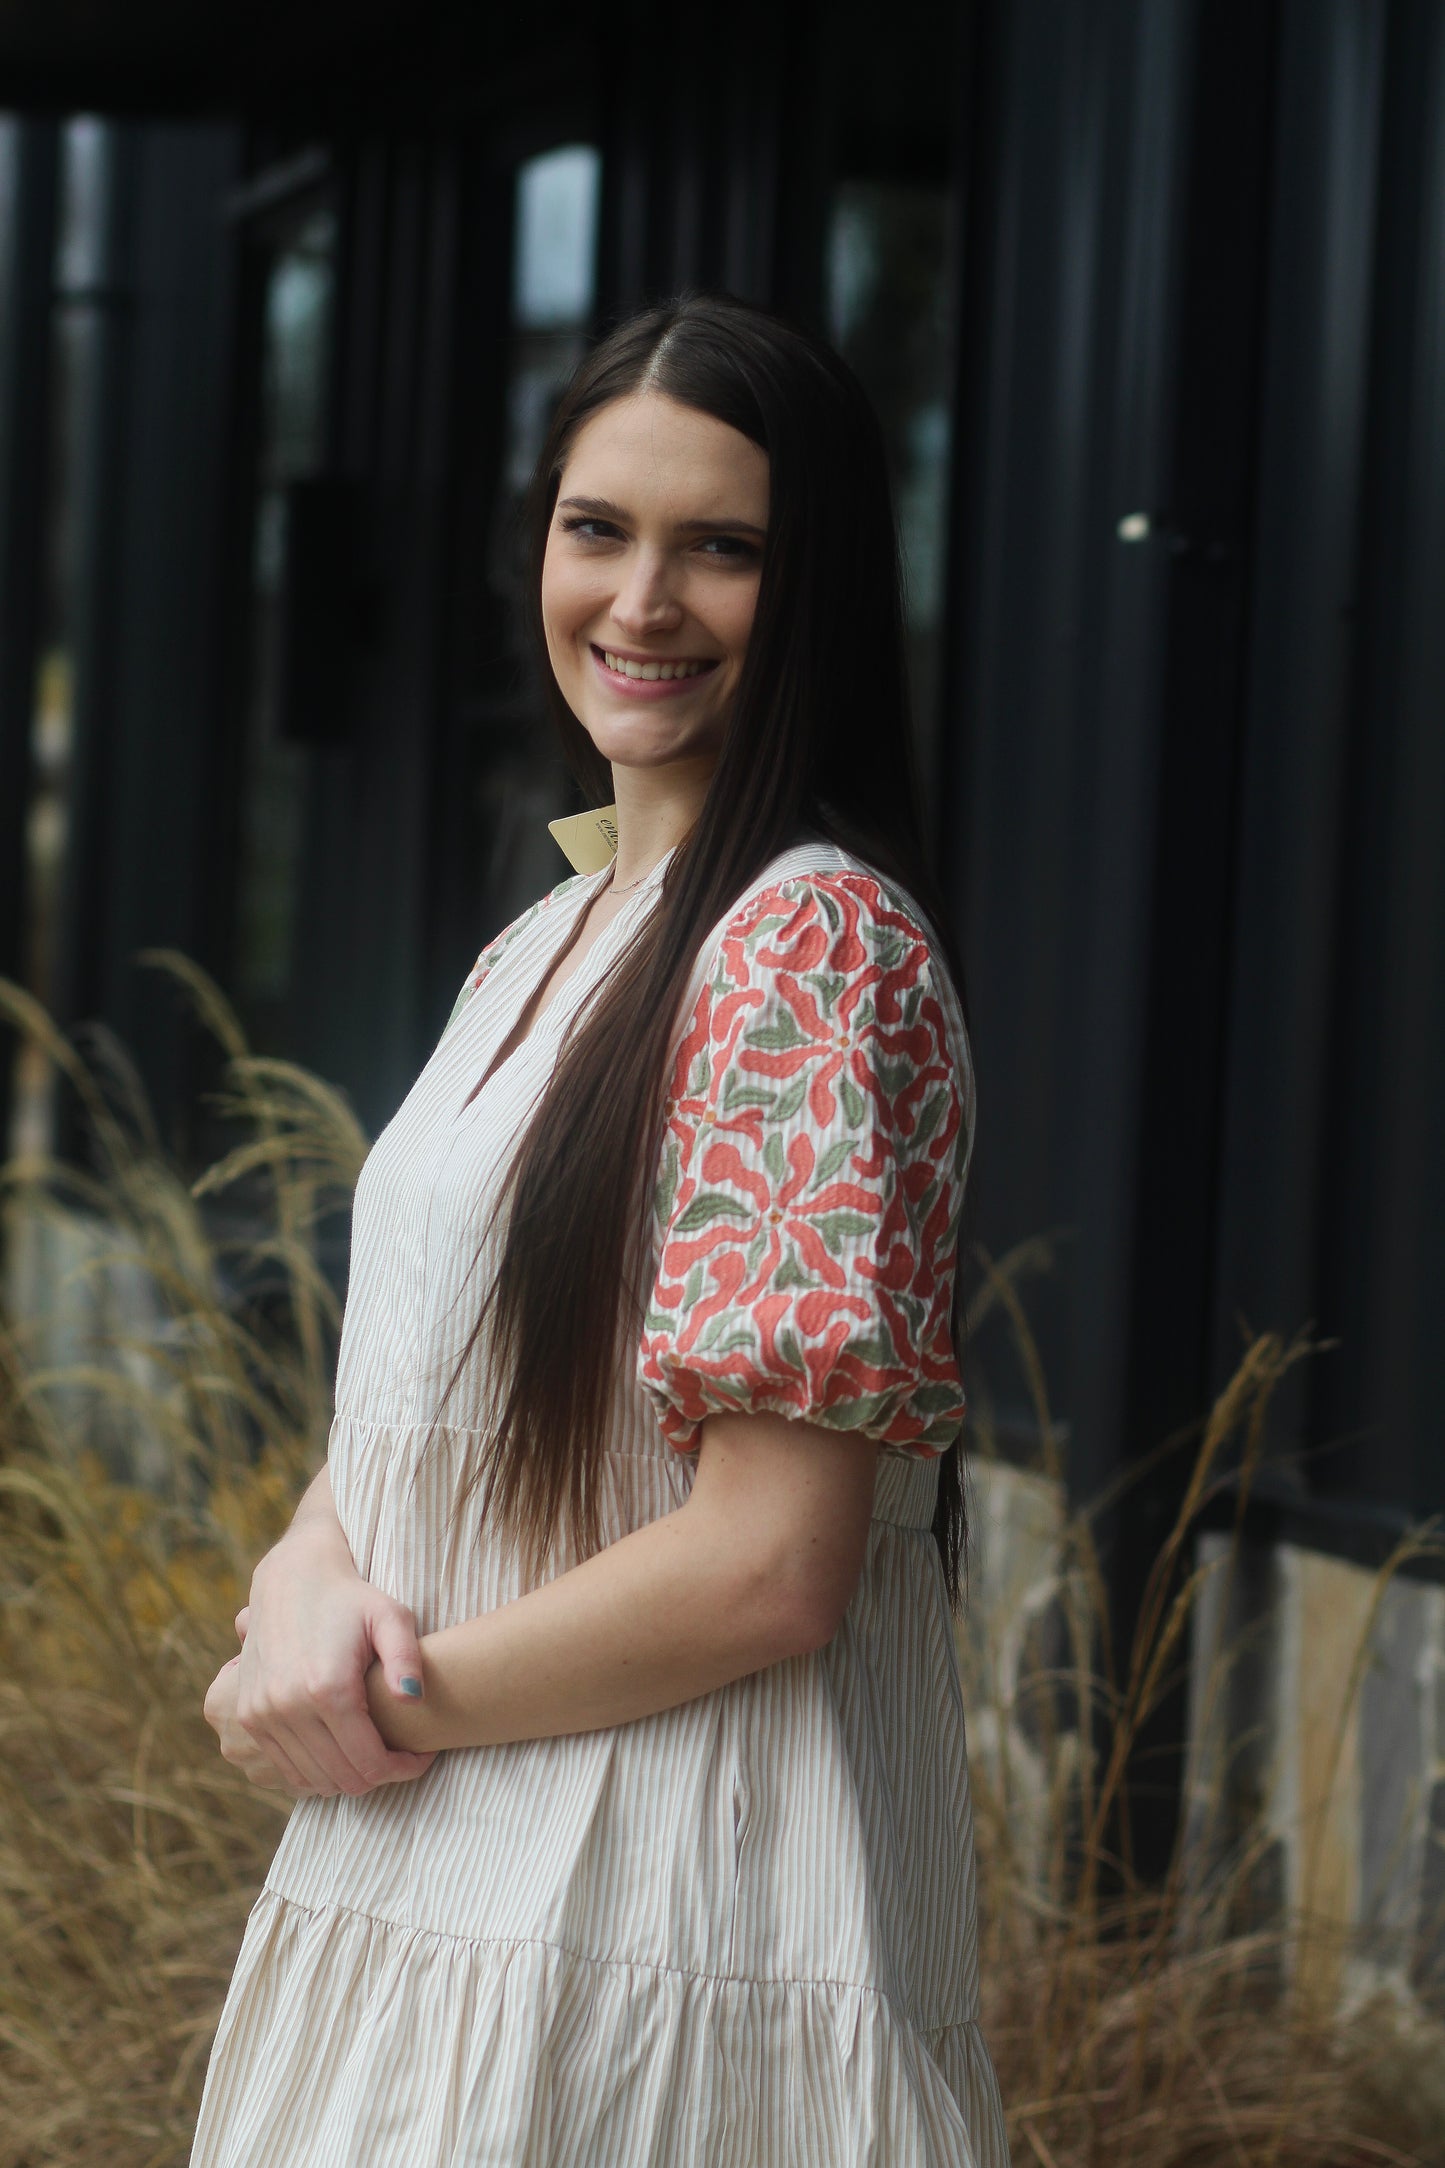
(553, 287)
(887, 296)
(556, 238)
(297, 305)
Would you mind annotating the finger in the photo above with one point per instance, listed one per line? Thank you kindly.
(368, 1753)
(323, 1774)
(340, 1733)
(398, 1647)
(243, 1620)
(300, 1724)
(268, 1768)
(408, 1768)
(358, 1756)
(273, 1733)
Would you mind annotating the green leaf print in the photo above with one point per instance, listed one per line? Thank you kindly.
(831, 1160)
(666, 1190)
(788, 1348)
(894, 1076)
(875, 1349)
(781, 1036)
(790, 1273)
(774, 1164)
(915, 1316)
(852, 1100)
(787, 1103)
(933, 1399)
(837, 1227)
(930, 1114)
(723, 1335)
(874, 1411)
(710, 1205)
(741, 1091)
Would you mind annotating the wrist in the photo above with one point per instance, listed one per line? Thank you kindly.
(404, 1720)
(314, 1541)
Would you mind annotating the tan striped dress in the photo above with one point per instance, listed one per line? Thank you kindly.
(741, 1933)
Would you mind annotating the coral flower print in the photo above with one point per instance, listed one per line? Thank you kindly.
(811, 1178)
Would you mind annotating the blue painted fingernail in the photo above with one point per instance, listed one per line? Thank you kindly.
(411, 1685)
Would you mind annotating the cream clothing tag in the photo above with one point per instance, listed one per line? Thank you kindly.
(588, 839)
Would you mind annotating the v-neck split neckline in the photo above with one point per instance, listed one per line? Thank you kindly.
(583, 898)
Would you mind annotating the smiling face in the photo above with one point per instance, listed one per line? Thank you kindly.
(650, 578)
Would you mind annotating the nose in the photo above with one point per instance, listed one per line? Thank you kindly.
(645, 602)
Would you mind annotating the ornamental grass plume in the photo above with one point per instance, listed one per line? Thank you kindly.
(150, 1456)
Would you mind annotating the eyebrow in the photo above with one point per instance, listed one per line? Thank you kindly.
(603, 508)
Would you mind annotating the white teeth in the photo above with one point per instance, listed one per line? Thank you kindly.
(651, 670)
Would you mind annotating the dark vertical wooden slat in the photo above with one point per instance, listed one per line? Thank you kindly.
(106, 483)
(149, 717)
(1382, 1162)
(27, 252)
(1293, 814)
(1065, 426)
(1220, 251)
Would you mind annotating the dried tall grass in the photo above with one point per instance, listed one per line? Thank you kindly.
(1131, 2026)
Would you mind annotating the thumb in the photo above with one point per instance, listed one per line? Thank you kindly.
(243, 1620)
(398, 1649)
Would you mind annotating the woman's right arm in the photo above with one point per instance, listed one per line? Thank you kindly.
(309, 1634)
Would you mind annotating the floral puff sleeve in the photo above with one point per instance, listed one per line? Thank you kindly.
(811, 1177)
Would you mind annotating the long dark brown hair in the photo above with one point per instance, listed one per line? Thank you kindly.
(818, 741)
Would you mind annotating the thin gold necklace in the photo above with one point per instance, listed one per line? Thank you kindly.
(627, 888)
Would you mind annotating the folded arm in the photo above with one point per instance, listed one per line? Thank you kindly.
(758, 1564)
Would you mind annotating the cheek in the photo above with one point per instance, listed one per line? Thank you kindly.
(742, 610)
(565, 601)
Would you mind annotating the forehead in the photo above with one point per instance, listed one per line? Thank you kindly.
(651, 451)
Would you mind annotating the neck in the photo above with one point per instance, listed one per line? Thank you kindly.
(655, 810)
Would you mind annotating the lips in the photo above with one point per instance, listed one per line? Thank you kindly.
(640, 677)
(651, 668)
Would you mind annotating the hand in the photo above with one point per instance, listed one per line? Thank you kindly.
(237, 1745)
(309, 1634)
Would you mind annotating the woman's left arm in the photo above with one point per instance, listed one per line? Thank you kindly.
(759, 1563)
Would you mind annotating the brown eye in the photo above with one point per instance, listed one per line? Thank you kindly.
(578, 523)
(731, 546)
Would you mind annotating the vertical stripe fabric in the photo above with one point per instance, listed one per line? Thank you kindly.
(740, 1933)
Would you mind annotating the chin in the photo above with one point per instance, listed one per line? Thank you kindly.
(648, 742)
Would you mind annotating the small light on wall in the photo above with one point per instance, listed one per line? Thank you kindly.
(1135, 527)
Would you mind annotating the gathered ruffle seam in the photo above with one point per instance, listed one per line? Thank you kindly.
(323, 1913)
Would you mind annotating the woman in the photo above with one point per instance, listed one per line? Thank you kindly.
(610, 1656)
